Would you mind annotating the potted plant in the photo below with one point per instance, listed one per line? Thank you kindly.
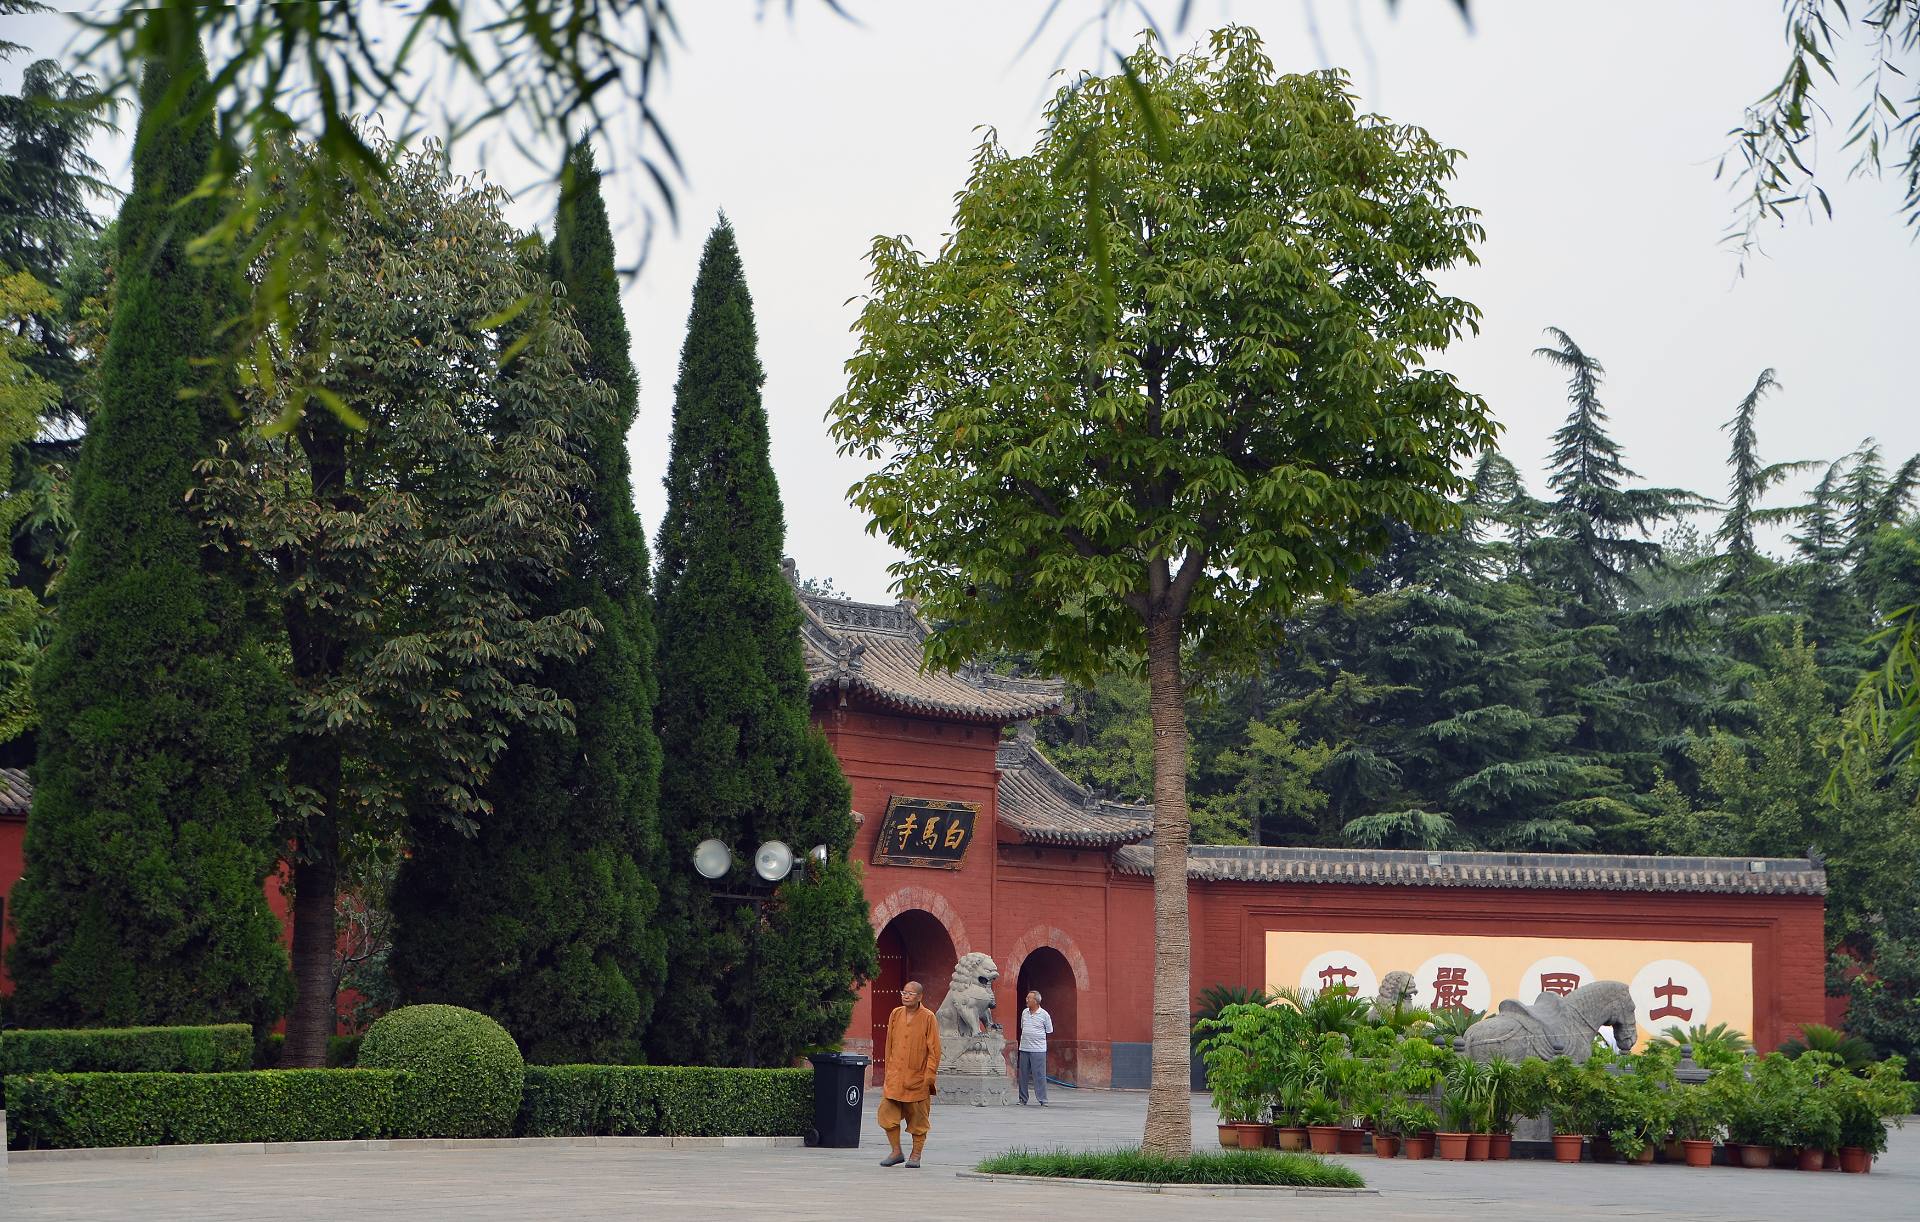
(1571, 1106)
(1229, 1048)
(1322, 1117)
(1809, 1117)
(1508, 1095)
(1417, 1122)
(1696, 1121)
(1463, 1108)
(1639, 1106)
(1864, 1104)
(1294, 1071)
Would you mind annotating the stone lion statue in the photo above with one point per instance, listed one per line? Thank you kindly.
(1554, 1025)
(968, 1008)
(1396, 989)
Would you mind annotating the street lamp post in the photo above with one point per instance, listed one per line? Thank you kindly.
(772, 863)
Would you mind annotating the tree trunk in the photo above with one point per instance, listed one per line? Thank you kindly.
(315, 644)
(1169, 1110)
(315, 879)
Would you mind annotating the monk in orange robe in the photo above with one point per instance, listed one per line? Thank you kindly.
(913, 1060)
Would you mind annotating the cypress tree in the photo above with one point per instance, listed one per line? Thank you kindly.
(742, 763)
(150, 834)
(545, 918)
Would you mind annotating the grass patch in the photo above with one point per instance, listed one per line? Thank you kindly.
(1129, 1166)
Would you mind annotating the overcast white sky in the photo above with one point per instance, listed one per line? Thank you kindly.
(1590, 129)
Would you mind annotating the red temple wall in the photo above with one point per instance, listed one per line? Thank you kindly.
(13, 846)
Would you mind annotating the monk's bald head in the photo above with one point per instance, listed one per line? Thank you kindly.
(910, 994)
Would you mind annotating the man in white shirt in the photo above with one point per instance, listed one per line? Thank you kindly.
(1035, 1026)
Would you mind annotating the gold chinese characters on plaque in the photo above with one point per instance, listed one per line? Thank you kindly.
(925, 832)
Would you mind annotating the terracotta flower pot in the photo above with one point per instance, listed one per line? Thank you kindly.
(1229, 1136)
(1478, 1145)
(1697, 1153)
(1812, 1159)
(1756, 1157)
(1645, 1157)
(1855, 1159)
(1733, 1149)
(1324, 1138)
(1830, 1160)
(1602, 1150)
(1453, 1146)
(1352, 1140)
(1385, 1147)
(1786, 1156)
(1253, 1135)
(1501, 1147)
(1418, 1147)
(1566, 1147)
(1291, 1136)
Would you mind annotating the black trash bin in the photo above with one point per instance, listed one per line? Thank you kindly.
(839, 1090)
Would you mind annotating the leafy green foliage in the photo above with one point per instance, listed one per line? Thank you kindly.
(69, 1111)
(545, 917)
(1156, 436)
(988, 377)
(228, 1046)
(747, 983)
(623, 1100)
(464, 1072)
(407, 560)
(1132, 1166)
(151, 833)
(1851, 1051)
(1772, 148)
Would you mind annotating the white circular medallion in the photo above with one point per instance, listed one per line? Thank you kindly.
(1670, 993)
(1452, 982)
(1552, 974)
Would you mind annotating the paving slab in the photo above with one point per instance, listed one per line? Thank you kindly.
(635, 1180)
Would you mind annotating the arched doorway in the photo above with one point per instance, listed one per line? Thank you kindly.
(1047, 970)
(913, 946)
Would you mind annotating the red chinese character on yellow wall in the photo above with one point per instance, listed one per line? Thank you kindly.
(1562, 983)
(1450, 988)
(1666, 993)
(1345, 974)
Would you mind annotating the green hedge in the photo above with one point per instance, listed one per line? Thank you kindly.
(643, 1100)
(60, 1111)
(466, 1070)
(218, 1049)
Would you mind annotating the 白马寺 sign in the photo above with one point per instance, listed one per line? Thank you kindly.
(925, 832)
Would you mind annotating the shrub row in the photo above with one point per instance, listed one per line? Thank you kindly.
(642, 1100)
(61, 1111)
(218, 1049)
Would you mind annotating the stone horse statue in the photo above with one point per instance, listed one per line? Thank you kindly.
(1554, 1025)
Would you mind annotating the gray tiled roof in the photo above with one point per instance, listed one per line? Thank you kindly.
(1039, 801)
(874, 649)
(16, 791)
(1517, 871)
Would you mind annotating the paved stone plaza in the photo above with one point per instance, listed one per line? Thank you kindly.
(627, 1183)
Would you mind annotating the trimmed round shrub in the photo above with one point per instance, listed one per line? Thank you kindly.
(466, 1071)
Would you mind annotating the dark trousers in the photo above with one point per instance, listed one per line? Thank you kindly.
(1033, 1070)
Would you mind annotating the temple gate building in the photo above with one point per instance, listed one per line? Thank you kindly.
(971, 840)
(1055, 883)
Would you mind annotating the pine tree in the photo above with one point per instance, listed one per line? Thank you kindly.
(545, 918)
(741, 761)
(150, 834)
(1750, 483)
